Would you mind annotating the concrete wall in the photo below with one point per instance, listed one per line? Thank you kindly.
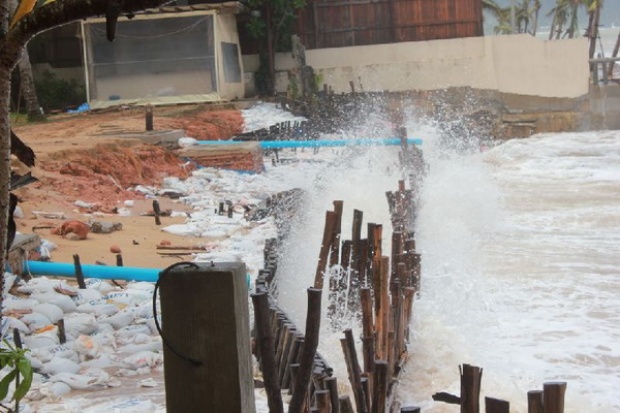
(519, 64)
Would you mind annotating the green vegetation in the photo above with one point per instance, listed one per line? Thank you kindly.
(20, 372)
(57, 94)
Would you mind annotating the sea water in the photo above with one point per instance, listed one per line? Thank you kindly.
(520, 249)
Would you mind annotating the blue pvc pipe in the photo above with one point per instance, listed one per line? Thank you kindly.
(320, 143)
(106, 272)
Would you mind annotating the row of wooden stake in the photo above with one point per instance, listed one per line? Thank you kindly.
(383, 298)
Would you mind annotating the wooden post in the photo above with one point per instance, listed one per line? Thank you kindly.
(267, 353)
(471, 377)
(368, 336)
(156, 212)
(382, 308)
(330, 222)
(323, 401)
(553, 394)
(380, 387)
(62, 336)
(119, 260)
(308, 352)
(331, 383)
(292, 359)
(148, 117)
(535, 401)
(492, 405)
(353, 368)
(197, 300)
(79, 274)
(356, 237)
(335, 247)
(345, 405)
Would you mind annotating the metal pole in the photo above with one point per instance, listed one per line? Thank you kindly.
(513, 19)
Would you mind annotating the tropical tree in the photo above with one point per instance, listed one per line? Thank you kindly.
(16, 29)
(272, 24)
(594, 12)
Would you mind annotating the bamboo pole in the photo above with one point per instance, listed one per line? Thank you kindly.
(288, 348)
(308, 352)
(323, 401)
(331, 383)
(553, 395)
(330, 222)
(535, 401)
(380, 387)
(382, 308)
(266, 346)
(356, 237)
(353, 368)
(345, 404)
(368, 337)
(79, 274)
(492, 405)
(335, 244)
(471, 377)
(292, 358)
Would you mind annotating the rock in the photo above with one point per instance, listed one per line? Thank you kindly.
(102, 227)
(115, 249)
(79, 228)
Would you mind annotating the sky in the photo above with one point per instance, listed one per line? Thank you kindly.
(609, 14)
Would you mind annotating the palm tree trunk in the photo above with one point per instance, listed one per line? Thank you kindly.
(28, 89)
(5, 163)
(552, 28)
(614, 54)
(594, 29)
(535, 22)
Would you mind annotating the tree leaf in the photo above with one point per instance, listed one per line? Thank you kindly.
(25, 7)
(25, 369)
(6, 382)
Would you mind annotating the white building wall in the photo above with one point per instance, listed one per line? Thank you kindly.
(519, 64)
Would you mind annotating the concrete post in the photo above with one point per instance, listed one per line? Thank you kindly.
(206, 333)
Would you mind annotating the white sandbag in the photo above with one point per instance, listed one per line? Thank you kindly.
(86, 346)
(55, 390)
(154, 345)
(126, 298)
(36, 321)
(102, 286)
(78, 324)
(87, 295)
(45, 337)
(142, 359)
(14, 323)
(103, 361)
(141, 286)
(59, 365)
(51, 311)
(45, 354)
(118, 320)
(79, 381)
(52, 297)
(11, 303)
(97, 308)
(127, 333)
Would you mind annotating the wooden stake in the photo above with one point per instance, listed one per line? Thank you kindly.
(471, 377)
(62, 336)
(535, 401)
(323, 401)
(308, 352)
(331, 383)
(335, 247)
(380, 387)
(79, 275)
(267, 352)
(330, 222)
(157, 212)
(148, 117)
(353, 368)
(382, 308)
(345, 405)
(492, 405)
(368, 337)
(553, 394)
